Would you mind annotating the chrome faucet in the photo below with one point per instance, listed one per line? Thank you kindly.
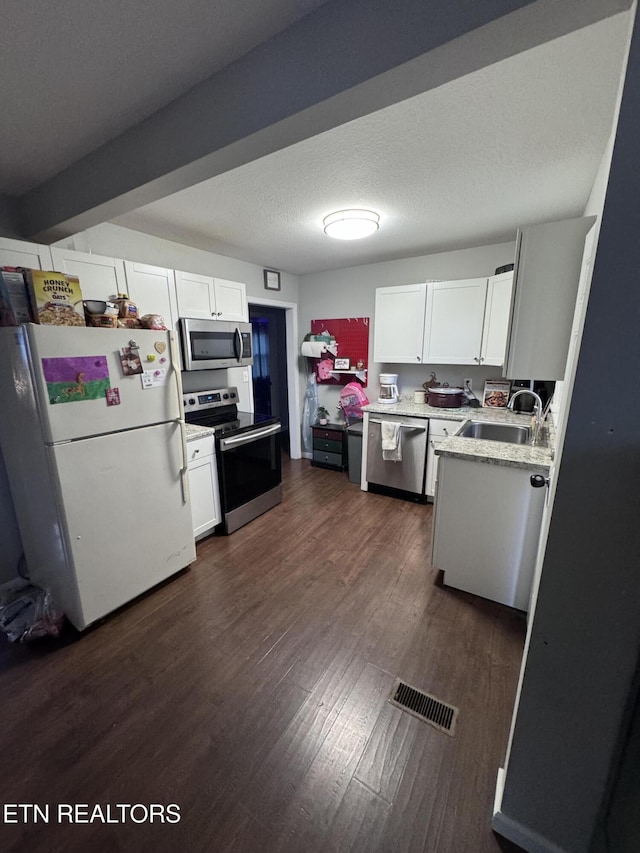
(538, 415)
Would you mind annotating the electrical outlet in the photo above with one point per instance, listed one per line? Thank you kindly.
(467, 384)
(245, 375)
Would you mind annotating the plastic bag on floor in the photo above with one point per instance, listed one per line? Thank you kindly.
(27, 612)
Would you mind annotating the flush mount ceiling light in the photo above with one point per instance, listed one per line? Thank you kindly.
(351, 224)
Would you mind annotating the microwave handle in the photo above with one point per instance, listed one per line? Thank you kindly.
(237, 344)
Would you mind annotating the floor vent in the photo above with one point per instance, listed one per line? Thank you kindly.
(425, 707)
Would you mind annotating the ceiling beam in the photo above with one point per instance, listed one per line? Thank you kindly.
(347, 59)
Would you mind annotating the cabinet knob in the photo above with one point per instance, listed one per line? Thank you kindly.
(475, 358)
(197, 450)
(418, 357)
(538, 481)
(445, 430)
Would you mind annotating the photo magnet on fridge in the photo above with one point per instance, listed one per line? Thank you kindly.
(130, 361)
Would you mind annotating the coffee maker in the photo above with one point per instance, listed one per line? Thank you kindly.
(388, 388)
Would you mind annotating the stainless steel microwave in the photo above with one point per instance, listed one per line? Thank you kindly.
(210, 344)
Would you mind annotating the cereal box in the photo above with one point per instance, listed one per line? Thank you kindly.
(56, 298)
(14, 299)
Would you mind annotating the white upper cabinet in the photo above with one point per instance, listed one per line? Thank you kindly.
(195, 295)
(444, 322)
(153, 291)
(496, 319)
(547, 273)
(454, 321)
(211, 298)
(18, 253)
(100, 277)
(399, 324)
(231, 300)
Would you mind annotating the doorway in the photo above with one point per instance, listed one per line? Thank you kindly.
(270, 379)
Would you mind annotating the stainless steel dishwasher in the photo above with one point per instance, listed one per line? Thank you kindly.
(407, 475)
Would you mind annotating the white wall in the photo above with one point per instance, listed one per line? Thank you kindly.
(117, 242)
(350, 292)
(580, 672)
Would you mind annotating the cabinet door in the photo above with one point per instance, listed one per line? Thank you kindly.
(230, 300)
(438, 431)
(153, 291)
(18, 253)
(496, 319)
(205, 501)
(100, 277)
(454, 319)
(546, 276)
(195, 295)
(399, 324)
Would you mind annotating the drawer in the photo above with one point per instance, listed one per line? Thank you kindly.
(442, 429)
(331, 434)
(328, 445)
(328, 458)
(198, 448)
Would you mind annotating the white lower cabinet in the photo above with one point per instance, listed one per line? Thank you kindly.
(486, 529)
(438, 431)
(203, 486)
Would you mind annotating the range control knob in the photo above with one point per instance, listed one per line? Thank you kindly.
(232, 395)
(192, 402)
(225, 396)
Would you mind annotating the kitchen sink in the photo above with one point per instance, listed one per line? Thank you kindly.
(512, 433)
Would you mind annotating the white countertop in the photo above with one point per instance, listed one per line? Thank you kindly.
(494, 452)
(195, 431)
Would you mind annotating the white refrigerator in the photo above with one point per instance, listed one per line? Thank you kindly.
(92, 434)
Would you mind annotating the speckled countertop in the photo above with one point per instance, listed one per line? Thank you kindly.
(479, 450)
(195, 431)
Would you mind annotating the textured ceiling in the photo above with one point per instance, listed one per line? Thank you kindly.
(75, 74)
(514, 143)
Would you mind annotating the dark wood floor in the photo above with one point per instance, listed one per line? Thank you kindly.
(252, 690)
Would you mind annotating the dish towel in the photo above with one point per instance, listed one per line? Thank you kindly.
(391, 446)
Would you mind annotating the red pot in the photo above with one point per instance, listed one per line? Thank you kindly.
(445, 398)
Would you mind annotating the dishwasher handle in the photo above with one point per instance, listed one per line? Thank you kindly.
(402, 426)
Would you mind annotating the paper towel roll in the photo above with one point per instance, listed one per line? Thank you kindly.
(313, 349)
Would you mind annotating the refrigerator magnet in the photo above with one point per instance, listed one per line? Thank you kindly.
(130, 361)
(73, 378)
(113, 396)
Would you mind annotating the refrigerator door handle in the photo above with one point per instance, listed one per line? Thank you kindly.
(184, 472)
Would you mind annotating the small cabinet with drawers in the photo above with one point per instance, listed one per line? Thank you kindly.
(329, 446)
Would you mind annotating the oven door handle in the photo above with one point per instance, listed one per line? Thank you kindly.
(228, 443)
